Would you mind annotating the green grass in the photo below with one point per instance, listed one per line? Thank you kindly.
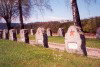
(56, 39)
(32, 37)
(94, 43)
(18, 35)
(14, 54)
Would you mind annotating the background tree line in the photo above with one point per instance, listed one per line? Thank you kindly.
(89, 25)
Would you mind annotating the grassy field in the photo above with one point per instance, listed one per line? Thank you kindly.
(14, 54)
(94, 43)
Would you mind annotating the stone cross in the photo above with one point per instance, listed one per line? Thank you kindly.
(24, 35)
(49, 32)
(98, 33)
(5, 34)
(1, 32)
(75, 40)
(12, 35)
(61, 32)
(32, 32)
(41, 37)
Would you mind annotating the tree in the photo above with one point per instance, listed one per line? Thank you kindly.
(7, 10)
(77, 21)
(24, 10)
(24, 7)
(75, 12)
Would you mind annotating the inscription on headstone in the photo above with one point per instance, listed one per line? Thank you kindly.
(98, 33)
(24, 35)
(41, 37)
(12, 35)
(49, 32)
(1, 32)
(75, 40)
(5, 34)
(61, 32)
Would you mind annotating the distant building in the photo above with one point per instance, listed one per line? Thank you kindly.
(63, 21)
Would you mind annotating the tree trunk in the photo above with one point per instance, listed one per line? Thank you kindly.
(75, 12)
(21, 14)
(77, 21)
(8, 23)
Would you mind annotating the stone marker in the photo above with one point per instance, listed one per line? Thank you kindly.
(12, 35)
(24, 35)
(32, 32)
(1, 32)
(98, 33)
(61, 32)
(49, 32)
(5, 34)
(41, 37)
(75, 41)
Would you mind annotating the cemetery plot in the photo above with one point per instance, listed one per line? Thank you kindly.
(21, 54)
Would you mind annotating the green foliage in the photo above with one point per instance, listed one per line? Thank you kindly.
(53, 25)
(14, 54)
(90, 25)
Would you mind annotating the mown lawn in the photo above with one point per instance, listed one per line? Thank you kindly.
(15, 54)
(94, 43)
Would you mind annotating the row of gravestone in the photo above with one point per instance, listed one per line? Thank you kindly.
(74, 38)
(60, 32)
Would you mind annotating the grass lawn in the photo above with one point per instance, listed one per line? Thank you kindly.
(18, 54)
(56, 39)
(94, 43)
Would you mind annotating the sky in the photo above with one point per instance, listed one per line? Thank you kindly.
(62, 11)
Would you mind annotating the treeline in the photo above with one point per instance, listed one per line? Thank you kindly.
(89, 25)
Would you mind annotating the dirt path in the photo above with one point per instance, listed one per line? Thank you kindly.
(91, 52)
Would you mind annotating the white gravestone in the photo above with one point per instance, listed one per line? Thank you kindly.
(60, 32)
(49, 32)
(12, 35)
(24, 35)
(75, 40)
(32, 32)
(41, 37)
(1, 32)
(98, 33)
(5, 34)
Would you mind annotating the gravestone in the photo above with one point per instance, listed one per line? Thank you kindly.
(98, 33)
(24, 35)
(61, 32)
(41, 37)
(32, 32)
(1, 32)
(75, 40)
(12, 35)
(49, 32)
(5, 34)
